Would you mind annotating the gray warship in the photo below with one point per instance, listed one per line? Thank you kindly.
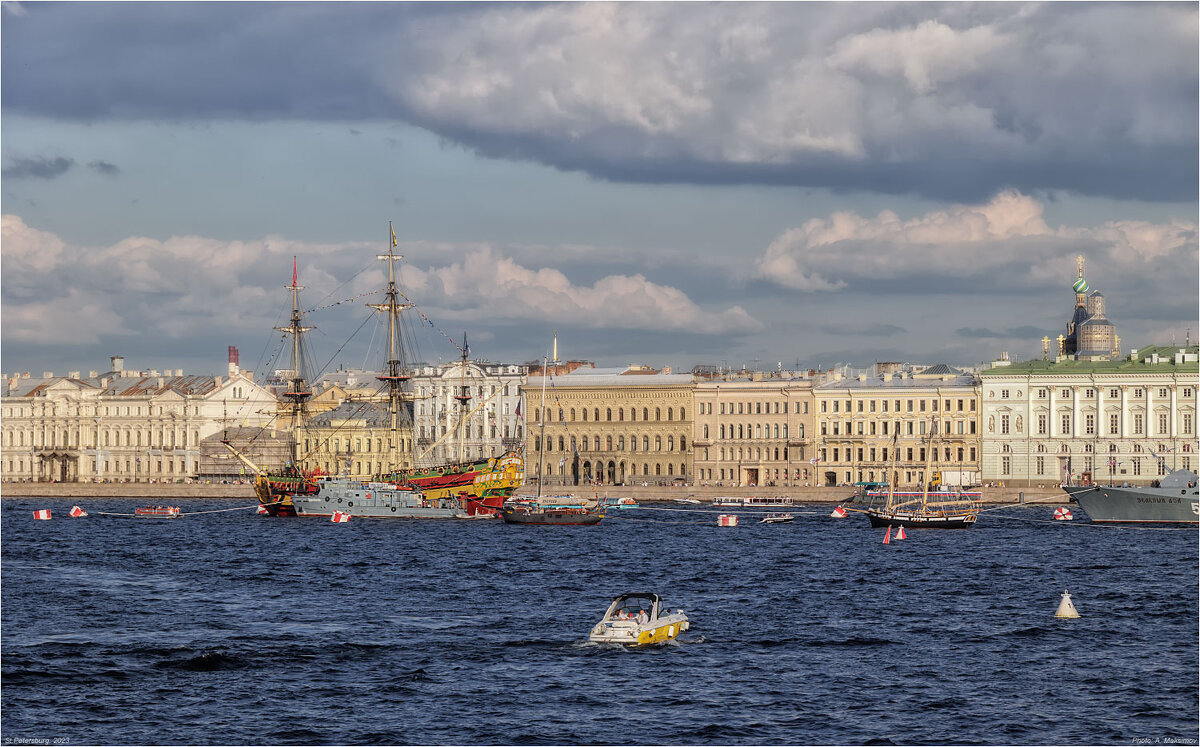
(374, 500)
(1173, 501)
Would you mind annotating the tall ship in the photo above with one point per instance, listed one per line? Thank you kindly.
(1173, 500)
(460, 489)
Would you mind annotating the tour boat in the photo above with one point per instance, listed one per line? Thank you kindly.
(638, 620)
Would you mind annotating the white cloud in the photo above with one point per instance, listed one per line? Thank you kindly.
(485, 284)
(190, 285)
(1008, 233)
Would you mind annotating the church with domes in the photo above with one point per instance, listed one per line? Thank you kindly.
(1090, 335)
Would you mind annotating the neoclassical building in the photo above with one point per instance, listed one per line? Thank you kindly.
(122, 425)
(904, 421)
(1129, 420)
(489, 394)
(754, 430)
(609, 426)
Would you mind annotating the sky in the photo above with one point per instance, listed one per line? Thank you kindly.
(668, 184)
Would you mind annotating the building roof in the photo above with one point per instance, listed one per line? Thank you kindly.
(1166, 362)
(574, 380)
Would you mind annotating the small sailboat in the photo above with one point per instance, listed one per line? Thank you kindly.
(639, 620)
(917, 510)
(548, 510)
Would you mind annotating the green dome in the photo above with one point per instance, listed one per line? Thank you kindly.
(1080, 286)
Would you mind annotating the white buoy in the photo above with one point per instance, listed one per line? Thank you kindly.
(838, 513)
(900, 534)
(1065, 607)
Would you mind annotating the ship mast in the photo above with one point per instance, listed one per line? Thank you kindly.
(463, 397)
(298, 392)
(542, 450)
(394, 374)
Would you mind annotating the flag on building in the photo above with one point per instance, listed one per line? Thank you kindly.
(519, 415)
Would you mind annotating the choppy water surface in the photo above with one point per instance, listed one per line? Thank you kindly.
(232, 628)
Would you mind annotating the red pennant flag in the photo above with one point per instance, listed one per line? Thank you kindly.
(295, 275)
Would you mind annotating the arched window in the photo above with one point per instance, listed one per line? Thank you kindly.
(596, 414)
(706, 431)
(608, 443)
(645, 469)
(758, 431)
(670, 468)
(645, 443)
(645, 413)
(722, 431)
(670, 413)
(777, 430)
(670, 443)
(657, 414)
(585, 414)
(561, 444)
(741, 433)
(620, 443)
(596, 443)
(560, 414)
(573, 446)
(683, 443)
(572, 414)
(621, 414)
(608, 414)
(633, 443)
(658, 443)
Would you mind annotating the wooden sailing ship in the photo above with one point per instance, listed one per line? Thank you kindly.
(942, 510)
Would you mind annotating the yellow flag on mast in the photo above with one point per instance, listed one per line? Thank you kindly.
(393, 233)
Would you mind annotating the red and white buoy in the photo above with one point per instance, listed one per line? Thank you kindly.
(77, 512)
(838, 513)
(339, 517)
(727, 520)
(887, 538)
(43, 514)
(900, 534)
(1063, 514)
(261, 510)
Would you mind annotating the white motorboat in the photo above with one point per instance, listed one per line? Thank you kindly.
(639, 620)
(774, 518)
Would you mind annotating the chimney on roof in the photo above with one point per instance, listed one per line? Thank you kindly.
(72, 374)
(233, 361)
(47, 374)
(92, 374)
(116, 363)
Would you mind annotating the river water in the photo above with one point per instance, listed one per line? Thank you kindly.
(233, 628)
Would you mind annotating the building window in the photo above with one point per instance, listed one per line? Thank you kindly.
(1089, 424)
(1005, 465)
(1138, 426)
(1187, 424)
(1163, 393)
(1004, 424)
(1114, 393)
(1066, 425)
(1089, 393)
(1162, 424)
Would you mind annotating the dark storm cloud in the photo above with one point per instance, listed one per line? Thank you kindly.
(105, 168)
(950, 101)
(37, 168)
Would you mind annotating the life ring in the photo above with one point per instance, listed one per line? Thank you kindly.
(349, 504)
(393, 509)
(339, 500)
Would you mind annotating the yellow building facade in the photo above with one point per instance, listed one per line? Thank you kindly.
(608, 427)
